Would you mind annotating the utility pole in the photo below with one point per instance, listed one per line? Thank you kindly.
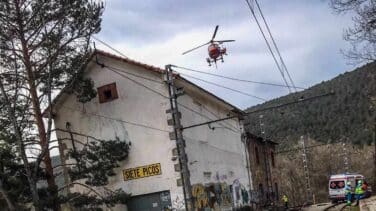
(266, 162)
(306, 171)
(246, 142)
(374, 158)
(174, 93)
(345, 156)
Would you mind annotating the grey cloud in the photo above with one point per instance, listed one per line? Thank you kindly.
(308, 35)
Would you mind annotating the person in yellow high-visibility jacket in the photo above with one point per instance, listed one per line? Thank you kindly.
(285, 201)
(359, 192)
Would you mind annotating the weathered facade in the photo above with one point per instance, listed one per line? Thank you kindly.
(131, 105)
(264, 175)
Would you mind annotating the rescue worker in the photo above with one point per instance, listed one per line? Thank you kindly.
(285, 201)
(359, 192)
(365, 189)
(348, 193)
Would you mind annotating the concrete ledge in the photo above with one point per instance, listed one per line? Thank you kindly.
(368, 204)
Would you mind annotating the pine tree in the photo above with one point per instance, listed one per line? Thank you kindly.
(44, 47)
(362, 35)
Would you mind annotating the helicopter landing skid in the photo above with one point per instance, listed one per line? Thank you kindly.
(211, 61)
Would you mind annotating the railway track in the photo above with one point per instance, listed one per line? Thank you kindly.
(336, 206)
(339, 207)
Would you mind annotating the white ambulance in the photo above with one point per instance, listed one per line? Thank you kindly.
(337, 185)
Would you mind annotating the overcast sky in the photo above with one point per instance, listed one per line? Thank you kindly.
(156, 32)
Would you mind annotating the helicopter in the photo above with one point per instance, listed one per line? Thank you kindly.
(215, 49)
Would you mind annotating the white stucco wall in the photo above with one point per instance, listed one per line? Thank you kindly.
(219, 151)
(136, 105)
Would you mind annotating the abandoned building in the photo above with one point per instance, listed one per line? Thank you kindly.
(263, 165)
(131, 104)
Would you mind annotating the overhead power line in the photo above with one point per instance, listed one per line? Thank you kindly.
(312, 146)
(235, 79)
(209, 82)
(225, 87)
(119, 120)
(120, 71)
(260, 110)
(268, 45)
(275, 46)
(109, 46)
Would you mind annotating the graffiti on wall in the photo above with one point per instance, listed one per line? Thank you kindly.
(219, 195)
(220, 177)
(240, 194)
(178, 203)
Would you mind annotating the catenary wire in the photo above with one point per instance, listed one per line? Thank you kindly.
(112, 48)
(313, 146)
(119, 120)
(159, 82)
(234, 79)
(275, 46)
(118, 70)
(212, 146)
(225, 87)
(186, 107)
(268, 45)
(209, 82)
(109, 46)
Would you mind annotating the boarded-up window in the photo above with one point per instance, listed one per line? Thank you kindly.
(257, 156)
(272, 158)
(107, 93)
(276, 191)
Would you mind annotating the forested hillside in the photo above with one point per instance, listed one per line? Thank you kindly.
(349, 114)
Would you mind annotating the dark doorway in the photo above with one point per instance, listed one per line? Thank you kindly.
(150, 202)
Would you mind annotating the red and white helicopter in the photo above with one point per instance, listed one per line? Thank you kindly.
(215, 49)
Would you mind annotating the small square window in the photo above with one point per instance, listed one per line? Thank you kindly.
(107, 93)
(207, 174)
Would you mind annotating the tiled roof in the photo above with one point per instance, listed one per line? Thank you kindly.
(130, 61)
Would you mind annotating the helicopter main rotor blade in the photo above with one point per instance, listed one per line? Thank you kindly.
(215, 32)
(222, 41)
(196, 48)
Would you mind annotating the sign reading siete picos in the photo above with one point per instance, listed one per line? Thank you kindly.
(142, 171)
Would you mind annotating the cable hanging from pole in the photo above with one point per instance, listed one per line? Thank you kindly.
(275, 46)
(268, 45)
(235, 79)
(300, 100)
(225, 87)
(109, 46)
(120, 72)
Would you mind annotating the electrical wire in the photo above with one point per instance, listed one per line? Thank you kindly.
(234, 79)
(234, 90)
(212, 146)
(230, 127)
(313, 146)
(109, 46)
(261, 110)
(268, 45)
(133, 74)
(117, 71)
(225, 87)
(275, 46)
(119, 120)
